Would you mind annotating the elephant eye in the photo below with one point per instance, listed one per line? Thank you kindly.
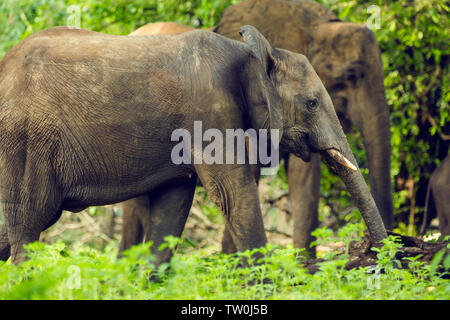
(312, 104)
(352, 79)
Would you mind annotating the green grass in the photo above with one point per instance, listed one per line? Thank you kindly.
(56, 272)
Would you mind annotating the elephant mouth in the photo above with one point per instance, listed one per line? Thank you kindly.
(303, 149)
(296, 142)
(334, 157)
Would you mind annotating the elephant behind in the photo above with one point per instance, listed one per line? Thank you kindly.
(438, 198)
(347, 59)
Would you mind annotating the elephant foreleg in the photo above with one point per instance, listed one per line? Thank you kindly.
(228, 245)
(227, 242)
(232, 188)
(304, 193)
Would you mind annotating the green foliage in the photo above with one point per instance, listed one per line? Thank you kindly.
(419, 278)
(56, 272)
(21, 18)
(386, 255)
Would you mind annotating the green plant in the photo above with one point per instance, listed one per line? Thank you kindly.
(387, 253)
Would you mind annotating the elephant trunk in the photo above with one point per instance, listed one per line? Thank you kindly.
(356, 185)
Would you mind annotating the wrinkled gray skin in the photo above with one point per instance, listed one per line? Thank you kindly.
(86, 119)
(438, 198)
(347, 59)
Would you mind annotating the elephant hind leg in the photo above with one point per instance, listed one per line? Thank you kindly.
(30, 194)
(25, 224)
(28, 213)
(5, 247)
(18, 238)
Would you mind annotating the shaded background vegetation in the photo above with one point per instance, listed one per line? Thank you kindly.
(413, 37)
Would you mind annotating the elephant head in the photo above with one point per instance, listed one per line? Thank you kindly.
(310, 123)
(347, 59)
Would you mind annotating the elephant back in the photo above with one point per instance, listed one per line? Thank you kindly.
(285, 24)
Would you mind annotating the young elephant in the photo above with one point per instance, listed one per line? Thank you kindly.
(87, 119)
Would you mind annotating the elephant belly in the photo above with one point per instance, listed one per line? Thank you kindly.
(118, 189)
(113, 168)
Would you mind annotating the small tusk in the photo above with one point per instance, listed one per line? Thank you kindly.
(339, 157)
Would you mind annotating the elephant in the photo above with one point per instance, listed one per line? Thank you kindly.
(437, 201)
(89, 119)
(347, 59)
(161, 28)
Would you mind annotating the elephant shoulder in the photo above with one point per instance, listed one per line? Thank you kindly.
(215, 49)
(207, 39)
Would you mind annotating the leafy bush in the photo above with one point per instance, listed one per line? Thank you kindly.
(20, 18)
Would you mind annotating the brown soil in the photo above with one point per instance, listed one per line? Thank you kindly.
(361, 255)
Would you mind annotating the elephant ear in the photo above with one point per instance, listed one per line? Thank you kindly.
(264, 104)
(259, 45)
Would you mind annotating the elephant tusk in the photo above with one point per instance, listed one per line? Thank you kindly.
(339, 157)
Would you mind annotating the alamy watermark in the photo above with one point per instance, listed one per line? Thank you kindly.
(373, 281)
(74, 18)
(74, 280)
(252, 147)
(374, 21)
